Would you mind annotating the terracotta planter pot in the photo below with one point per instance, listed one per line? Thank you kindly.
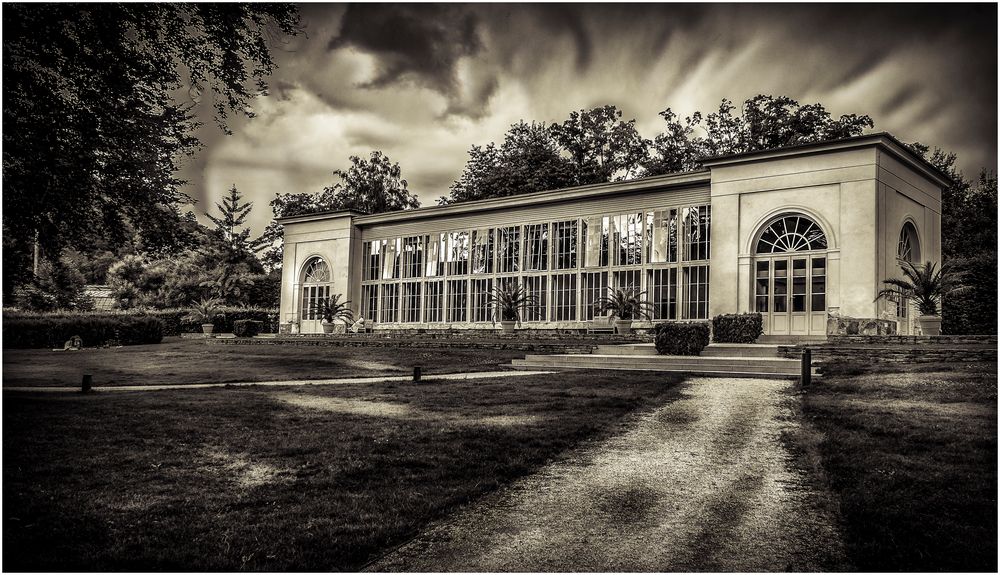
(623, 326)
(328, 327)
(508, 326)
(929, 324)
(207, 328)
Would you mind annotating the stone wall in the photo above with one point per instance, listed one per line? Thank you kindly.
(899, 349)
(841, 325)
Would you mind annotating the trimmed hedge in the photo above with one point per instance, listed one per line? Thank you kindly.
(681, 338)
(737, 327)
(95, 330)
(246, 327)
(173, 319)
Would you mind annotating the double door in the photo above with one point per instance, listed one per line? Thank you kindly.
(790, 293)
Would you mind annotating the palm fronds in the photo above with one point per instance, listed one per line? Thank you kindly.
(332, 309)
(625, 304)
(507, 300)
(924, 284)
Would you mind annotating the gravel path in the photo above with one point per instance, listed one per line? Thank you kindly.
(701, 484)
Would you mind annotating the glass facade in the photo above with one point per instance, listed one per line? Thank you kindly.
(566, 264)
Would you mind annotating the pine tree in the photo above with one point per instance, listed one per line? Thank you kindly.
(234, 216)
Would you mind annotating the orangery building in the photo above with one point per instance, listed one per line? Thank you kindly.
(799, 234)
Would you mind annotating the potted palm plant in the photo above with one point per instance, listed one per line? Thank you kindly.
(506, 302)
(924, 285)
(332, 309)
(205, 312)
(625, 305)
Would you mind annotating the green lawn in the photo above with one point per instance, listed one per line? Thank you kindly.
(911, 454)
(195, 361)
(294, 478)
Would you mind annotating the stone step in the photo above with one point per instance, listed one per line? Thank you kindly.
(740, 350)
(789, 339)
(694, 369)
(629, 349)
(663, 362)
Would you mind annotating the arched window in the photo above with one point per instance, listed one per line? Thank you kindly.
(791, 233)
(908, 249)
(316, 279)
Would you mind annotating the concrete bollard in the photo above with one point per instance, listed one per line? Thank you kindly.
(806, 378)
(416, 374)
(87, 383)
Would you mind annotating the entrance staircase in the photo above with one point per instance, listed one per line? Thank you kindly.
(718, 359)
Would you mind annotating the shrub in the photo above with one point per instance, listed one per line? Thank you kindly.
(737, 327)
(172, 319)
(680, 338)
(246, 327)
(53, 331)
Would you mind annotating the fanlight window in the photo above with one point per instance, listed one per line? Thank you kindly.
(791, 234)
(316, 272)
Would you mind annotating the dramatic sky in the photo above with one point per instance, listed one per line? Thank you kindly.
(423, 83)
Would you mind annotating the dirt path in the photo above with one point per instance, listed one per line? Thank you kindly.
(704, 483)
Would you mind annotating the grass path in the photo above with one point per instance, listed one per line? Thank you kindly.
(703, 483)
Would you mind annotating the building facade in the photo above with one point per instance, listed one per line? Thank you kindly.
(797, 234)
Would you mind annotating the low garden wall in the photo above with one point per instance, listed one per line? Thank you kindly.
(470, 339)
(898, 349)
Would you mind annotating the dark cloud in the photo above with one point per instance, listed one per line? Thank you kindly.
(903, 96)
(417, 43)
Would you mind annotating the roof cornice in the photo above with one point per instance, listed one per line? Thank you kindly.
(316, 216)
(541, 198)
(883, 140)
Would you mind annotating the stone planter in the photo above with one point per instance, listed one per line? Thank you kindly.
(328, 327)
(508, 327)
(207, 328)
(929, 324)
(623, 326)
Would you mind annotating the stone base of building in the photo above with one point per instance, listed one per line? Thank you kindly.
(859, 326)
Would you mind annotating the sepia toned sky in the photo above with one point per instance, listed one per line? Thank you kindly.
(423, 83)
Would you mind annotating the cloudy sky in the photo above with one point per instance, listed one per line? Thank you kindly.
(423, 83)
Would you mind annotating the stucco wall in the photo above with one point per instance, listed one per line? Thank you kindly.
(836, 189)
(330, 239)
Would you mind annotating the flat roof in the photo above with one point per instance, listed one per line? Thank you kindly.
(889, 142)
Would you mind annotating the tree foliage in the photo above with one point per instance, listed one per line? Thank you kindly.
(98, 111)
(527, 161)
(369, 186)
(763, 123)
(600, 145)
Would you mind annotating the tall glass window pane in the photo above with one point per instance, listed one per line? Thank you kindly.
(433, 301)
(762, 289)
(373, 260)
(369, 302)
(661, 236)
(662, 292)
(626, 239)
(413, 256)
(481, 289)
(780, 297)
(411, 302)
(458, 253)
(565, 236)
(818, 284)
(697, 232)
(391, 256)
(628, 279)
(595, 239)
(509, 249)
(696, 292)
(564, 297)
(436, 248)
(595, 287)
(536, 247)
(482, 251)
(458, 302)
(799, 284)
(535, 286)
(390, 303)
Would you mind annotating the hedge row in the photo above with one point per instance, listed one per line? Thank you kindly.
(737, 327)
(173, 319)
(680, 338)
(94, 330)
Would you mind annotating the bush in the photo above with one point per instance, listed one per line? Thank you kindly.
(53, 331)
(173, 320)
(246, 327)
(737, 327)
(680, 338)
